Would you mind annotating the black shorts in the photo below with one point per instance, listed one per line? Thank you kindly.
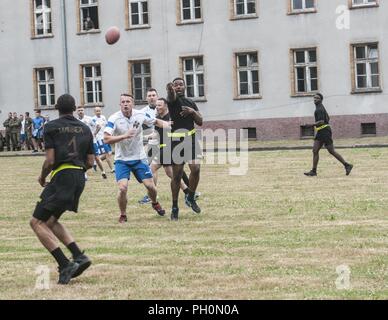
(61, 194)
(325, 136)
(163, 156)
(185, 150)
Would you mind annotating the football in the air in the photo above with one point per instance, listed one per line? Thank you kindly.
(112, 35)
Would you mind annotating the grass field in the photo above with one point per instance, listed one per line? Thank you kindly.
(273, 234)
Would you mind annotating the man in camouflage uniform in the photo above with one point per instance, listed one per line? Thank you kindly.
(15, 125)
(8, 132)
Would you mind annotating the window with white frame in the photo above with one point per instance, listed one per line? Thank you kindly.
(193, 73)
(92, 84)
(141, 79)
(244, 7)
(302, 5)
(42, 17)
(305, 70)
(88, 15)
(366, 60)
(45, 87)
(138, 13)
(247, 74)
(190, 10)
(363, 3)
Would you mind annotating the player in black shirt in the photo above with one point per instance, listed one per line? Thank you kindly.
(323, 136)
(69, 153)
(185, 146)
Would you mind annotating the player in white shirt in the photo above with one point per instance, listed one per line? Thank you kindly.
(92, 126)
(124, 129)
(104, 150)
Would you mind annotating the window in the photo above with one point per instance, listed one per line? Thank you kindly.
(45, 88)
(138, 13)
(244, 7)
(250, 133)
(302, 6)
(140, 79)
(42, 18)
(88, 10)
(368, 129)
(91, 90)
(247, 74)
(305, 71)
(193, 73)
(366, 68)
(363, 3)
(189, 11)
(306, 131)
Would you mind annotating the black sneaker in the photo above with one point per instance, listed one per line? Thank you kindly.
(192, 204)
(66, 273)
(83, 262)
(310, 174)
(174, 214)
(104, 175)
(348, 168)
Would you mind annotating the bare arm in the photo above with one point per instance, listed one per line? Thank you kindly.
(171, 94)
(197, 117)
(47, 167)
(109, 139)
(90, 161)
(163, 124)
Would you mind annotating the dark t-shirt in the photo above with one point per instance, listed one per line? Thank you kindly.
(71, 139)
(163, 132)
(175, 108)
(321, 114)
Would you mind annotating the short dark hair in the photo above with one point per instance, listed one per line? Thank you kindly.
(126, 95)
(320, 95)
(152, 90)
(65, 104)
(164, 100)
(27, 114)
(179, 78)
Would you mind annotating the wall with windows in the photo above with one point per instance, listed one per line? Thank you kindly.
(248, 63)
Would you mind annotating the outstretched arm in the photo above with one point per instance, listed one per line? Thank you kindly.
(171, 94)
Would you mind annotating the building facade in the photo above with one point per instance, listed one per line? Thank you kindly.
(248, 63)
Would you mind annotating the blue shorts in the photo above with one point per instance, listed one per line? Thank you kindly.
(140, 169)
(101, 148)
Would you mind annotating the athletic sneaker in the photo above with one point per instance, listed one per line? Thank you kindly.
(174, 214)
(192, 204)
(158, 208)
(310, 174)
(104, 175)
(66, 273)
(348, 168)
(83, 262)
(197, 195)
(123, 218)
(145, 200)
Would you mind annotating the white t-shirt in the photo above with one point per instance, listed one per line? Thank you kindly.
(102, 122)
(118, 124)
(91, 124)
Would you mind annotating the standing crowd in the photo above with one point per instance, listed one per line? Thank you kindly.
(21, 132)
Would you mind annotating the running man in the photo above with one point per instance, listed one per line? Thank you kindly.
(92, 126)
(103, 150)
(323, 137)
(125, 130)
(185, 146)
(69, 153)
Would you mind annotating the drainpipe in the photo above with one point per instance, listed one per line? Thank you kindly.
(64, 47)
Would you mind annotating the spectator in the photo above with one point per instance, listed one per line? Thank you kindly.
(8, 132)
(89, 24)
(28, 131)
(37, 131)
(15, 125)
(23, 136)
